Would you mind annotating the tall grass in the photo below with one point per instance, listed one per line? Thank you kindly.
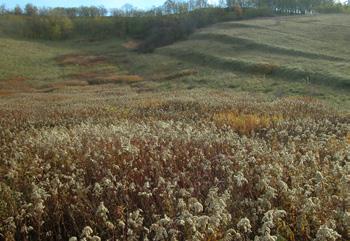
(101, 165)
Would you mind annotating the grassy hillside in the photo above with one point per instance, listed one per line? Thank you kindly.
(273, 56)
(309, 52)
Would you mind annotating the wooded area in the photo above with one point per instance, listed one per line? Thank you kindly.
(159, 26)
(174, 7)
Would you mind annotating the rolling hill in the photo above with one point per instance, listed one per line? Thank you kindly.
(280, 56)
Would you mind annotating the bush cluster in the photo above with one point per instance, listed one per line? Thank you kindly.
(334, 8)
(48, 27)
(169, 29)
(153, 31)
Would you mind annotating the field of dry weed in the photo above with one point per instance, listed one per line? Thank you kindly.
(105, 163)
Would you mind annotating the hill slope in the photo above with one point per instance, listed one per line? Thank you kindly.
(274, 56)
(309, 52)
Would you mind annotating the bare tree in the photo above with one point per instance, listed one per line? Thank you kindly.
(202, 3)
(128, 9)
(117, 12)
(2, 9)
(231, 3)
(169, 7)
(18, 10)
(182, 7)
(192, 4)
(102, 11)
(31, 10)
(222, 4)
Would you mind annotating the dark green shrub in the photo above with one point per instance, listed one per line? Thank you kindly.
(3, 9)
(12, 25)
(257, 12)
(48, 27)
(164, 30)
(96, 27)
(333, 8)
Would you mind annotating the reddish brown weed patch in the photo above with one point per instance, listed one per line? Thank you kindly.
(78, 59)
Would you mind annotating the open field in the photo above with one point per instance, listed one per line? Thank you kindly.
(241, 132)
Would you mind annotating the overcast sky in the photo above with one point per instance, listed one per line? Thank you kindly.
(76, 3)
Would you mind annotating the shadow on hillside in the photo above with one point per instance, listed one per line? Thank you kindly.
(252, 45)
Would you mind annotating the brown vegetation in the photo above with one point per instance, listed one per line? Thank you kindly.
(245, 123)
(132, 44)
(79, 59)
(99, 78)
(103, 162)
(175, 75)
(14, 85)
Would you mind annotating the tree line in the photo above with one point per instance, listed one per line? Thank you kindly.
(32, 10)
(159, 26)
(171, 7)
